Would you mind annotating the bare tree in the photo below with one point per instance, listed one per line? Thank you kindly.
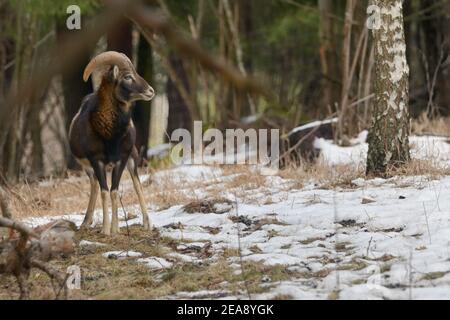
(388, 136)
(74, 89)
(328, 54)
(142, 112)
(434, 43)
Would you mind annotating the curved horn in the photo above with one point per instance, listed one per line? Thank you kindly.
(107, 58)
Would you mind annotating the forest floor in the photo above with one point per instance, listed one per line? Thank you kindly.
(322, 232)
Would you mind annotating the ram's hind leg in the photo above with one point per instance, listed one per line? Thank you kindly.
(106, 228)
(116, 176)
(89, 217)
(132, 168)
(115, 216)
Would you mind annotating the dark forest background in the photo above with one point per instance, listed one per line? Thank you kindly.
(314, 59)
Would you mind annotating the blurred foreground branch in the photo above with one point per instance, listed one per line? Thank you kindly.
(4, 204)
(151, 21)
(33, 248)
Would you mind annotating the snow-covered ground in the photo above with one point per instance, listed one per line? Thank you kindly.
(434, 149)
(375, 239)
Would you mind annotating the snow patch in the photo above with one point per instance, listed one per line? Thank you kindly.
(121, 254)
(155, 262)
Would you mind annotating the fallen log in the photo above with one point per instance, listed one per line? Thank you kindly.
(299, 145)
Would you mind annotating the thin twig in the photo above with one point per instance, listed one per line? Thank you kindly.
(368, 247)
(426, 219)
(241, 261)
(126, 216)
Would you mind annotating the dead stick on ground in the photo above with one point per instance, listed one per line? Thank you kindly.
(241, 261)
(125, 215)
(23, 229)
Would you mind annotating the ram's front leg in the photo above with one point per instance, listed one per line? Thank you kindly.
(116, 176)
(89, 217)
(100, 173)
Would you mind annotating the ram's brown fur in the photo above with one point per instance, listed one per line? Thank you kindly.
(104, 118)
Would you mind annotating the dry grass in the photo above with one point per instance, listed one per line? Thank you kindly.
(341, 176)
(325, 176)
(434, 275)
(167, 193)
(54, 197)
(104, 278)
(424, 125)
(241, 179)
(70, 196)
(208, 206)
(61, 196)
(57, 196)
(416, 167)
(355, 264)
(283, 297)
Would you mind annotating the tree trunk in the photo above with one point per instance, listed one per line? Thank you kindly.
(74, 88)
(179, 115)
(388, 137)
(346, 124)
(417, 104)
(142, 111)
(37, 155)
(435, 46)
(248, 32)
(234, 31)
(120, 38)
(8, 53)
(328, 56)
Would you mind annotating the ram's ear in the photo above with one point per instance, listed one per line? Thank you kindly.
(115, 72)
